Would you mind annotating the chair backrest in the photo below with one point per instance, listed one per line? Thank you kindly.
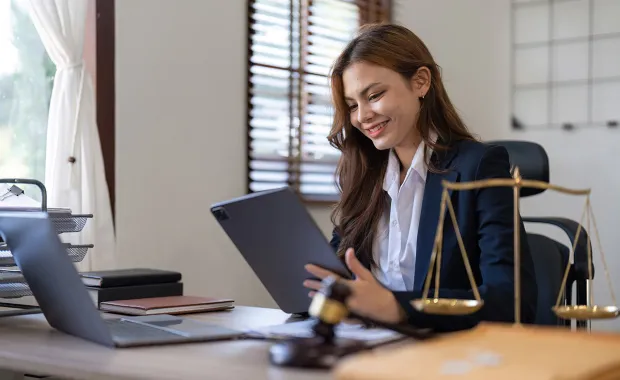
(531, 159)
(550, 258)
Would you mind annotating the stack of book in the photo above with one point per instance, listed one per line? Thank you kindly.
(132, 283)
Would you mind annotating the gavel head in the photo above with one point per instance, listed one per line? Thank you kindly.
(329, 308)
(329, 304)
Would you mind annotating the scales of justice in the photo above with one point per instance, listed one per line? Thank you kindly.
(445, 306)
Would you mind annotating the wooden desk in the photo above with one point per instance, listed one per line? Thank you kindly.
(29, 345)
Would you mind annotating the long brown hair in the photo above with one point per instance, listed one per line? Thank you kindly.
(361, 167)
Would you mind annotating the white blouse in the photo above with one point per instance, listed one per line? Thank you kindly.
(397, 233)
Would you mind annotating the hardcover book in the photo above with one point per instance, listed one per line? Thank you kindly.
(167, 305)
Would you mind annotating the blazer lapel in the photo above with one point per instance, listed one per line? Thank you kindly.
(429, 216)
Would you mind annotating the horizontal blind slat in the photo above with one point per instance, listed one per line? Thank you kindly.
(272, 8)
(321, 190)
(323, 51)
(265, 135)
(337, 25)
(262, 186)
(334, 5)
(278, 3)
(327, 42)
(269, 176)
(329, 33)
(269, 20)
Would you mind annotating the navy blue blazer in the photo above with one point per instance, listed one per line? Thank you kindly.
(485, 219)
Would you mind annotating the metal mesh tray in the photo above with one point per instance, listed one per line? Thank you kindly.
(62, 219)
(10, 277)
(13, 285)
(70, 223)
(14, 290)
(76, 253)
(53, 212)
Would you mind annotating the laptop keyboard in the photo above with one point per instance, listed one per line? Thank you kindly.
(124, 331)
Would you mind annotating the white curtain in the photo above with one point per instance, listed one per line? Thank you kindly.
(72, 133)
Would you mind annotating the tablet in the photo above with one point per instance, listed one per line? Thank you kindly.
(277, 236)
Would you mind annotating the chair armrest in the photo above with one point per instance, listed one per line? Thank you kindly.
(581, 251)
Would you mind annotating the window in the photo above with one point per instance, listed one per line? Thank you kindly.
(26, 79)
(565, 64)
(292, 45)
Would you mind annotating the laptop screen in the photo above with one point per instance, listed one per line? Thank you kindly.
(52, 276)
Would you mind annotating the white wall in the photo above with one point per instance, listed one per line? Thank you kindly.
(181, 105)
(472, 44)
(180, 110)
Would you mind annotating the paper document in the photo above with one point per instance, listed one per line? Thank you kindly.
(303, 329)
(7, 200)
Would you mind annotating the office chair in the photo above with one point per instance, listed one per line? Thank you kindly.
(550, 257)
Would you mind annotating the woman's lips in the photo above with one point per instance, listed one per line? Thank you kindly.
(376, 131)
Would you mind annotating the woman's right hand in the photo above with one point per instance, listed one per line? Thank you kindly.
(368, 297)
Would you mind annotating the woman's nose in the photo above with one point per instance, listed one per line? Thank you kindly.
(364, 114)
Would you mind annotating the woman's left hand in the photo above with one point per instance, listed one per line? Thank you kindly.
(368, 297)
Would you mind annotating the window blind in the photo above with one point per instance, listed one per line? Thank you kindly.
(292, 45)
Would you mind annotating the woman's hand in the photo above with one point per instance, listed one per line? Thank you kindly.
(368, 297)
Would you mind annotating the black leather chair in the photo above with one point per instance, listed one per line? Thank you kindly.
(550, 256)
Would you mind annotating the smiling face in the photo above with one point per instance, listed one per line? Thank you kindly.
(383, 105)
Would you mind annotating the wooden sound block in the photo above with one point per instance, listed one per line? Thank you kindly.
(493, 351)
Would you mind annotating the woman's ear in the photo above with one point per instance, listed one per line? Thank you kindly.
(421, 81)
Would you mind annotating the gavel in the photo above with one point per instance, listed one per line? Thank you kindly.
(329, 308)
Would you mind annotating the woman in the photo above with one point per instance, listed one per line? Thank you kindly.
(400, 137)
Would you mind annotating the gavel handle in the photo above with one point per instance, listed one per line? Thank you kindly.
(407, 330)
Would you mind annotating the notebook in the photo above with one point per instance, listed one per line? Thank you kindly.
(127, 277)
(117, 293)
(167, 305)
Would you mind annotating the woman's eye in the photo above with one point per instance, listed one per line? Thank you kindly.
(352, 108)
(375, 96)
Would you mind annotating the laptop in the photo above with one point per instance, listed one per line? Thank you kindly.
(65, 302)
(277, 237)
